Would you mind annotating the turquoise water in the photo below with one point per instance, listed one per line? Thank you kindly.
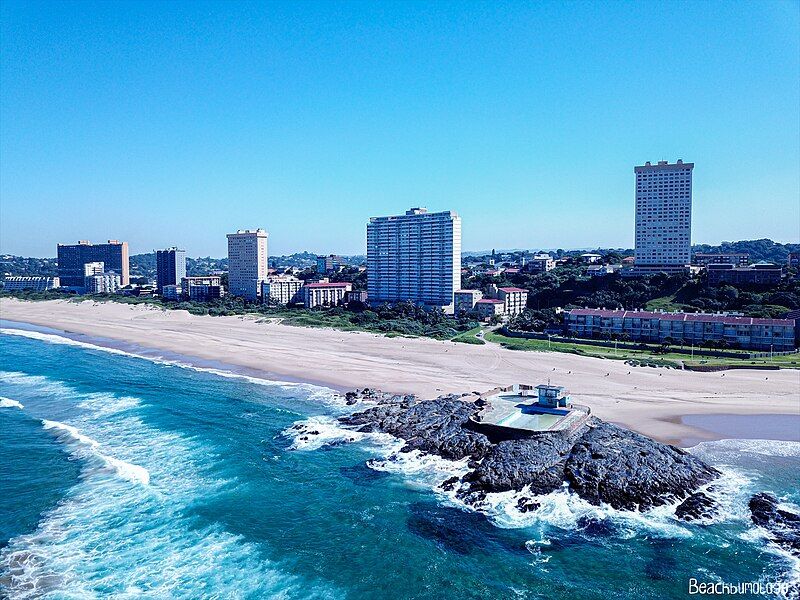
(122, 477)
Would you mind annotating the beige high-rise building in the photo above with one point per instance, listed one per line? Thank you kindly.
(247, 262)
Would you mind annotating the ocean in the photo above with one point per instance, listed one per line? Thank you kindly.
(131, 477)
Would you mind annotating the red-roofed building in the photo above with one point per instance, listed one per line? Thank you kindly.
(489, 307)
(686, 328)
(325, 293)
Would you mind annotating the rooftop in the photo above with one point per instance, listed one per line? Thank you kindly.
(328, 284)
(511, 289)
(667, 316)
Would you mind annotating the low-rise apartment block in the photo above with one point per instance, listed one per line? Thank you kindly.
(282, 289)
(540, 263)
(329, 264)
(682, 328)
(514, 299)
(793, 260)
(757, 274)
(489, 307)
(356, 296)
(35, 284)
(325, 293)
(102, 282)
(465, 300)
(202, 288)
(738, 259)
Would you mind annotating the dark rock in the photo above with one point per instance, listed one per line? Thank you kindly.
(630, 471)
(512, 464)
(449, 484)
(433, 426)
(696, 506)
(783, 526)
(526, 504)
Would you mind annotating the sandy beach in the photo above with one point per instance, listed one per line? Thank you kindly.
(651, 401)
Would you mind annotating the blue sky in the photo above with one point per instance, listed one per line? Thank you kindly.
(175, 123)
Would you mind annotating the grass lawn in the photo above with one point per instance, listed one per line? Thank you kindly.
(468, 337)
(670, 359)
(666, 303)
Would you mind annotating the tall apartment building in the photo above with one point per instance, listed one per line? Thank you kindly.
(170, 267)
(663, 217)
(414, 257)
(72, 257)
(247, 262)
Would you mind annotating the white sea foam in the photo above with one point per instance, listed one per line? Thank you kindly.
(135, 541)
(131, 472)
(315, 432)
(9, 403)
(312, 391)
(730, 449)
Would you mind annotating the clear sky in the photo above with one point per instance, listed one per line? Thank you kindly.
(174, 123)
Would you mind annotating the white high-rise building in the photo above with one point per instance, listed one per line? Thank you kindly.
(663, 216)
(247, 262)
(416, 257)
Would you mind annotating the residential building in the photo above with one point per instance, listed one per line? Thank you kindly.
(101, 282)
(682, 328)
(35, 284)
(356, 296)
(465, 300)
(201, 289)
(282, 289)
(329, 264)
(602, 270)
(93, 268)
(737, 259)
(247, 262)
(489, 307)
(793, 260)
(325, 293)
(72, 257)
(170, 267)
(591, 258)
(515, 299)
(414, 257)
(171, 292)
(540, 263)
(663, 217)
(761, 273)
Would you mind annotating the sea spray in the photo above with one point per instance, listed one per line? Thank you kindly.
(131, 472)
(9, 403)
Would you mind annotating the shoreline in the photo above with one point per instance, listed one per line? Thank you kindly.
(651, 401)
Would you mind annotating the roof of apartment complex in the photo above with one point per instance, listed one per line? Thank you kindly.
(510, 290)
(490, 301)
(328, 284)
(701, 317)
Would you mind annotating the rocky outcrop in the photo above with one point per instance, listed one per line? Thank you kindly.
(697, 506)
(513, 464)
(601, 462)
(434, 426)
(783, 526)
(630, 471)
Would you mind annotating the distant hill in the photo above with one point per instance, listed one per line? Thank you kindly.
(758, 250)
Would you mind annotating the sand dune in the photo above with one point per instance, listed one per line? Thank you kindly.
(644, 399)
